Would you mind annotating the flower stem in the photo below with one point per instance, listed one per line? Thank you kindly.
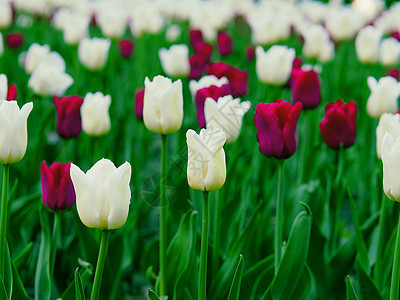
(204, 249)
(381, 243)
(100, 265)
(216, 237)
(394, 287)
(163, 216)
(54, 241)
(279, 217)
(3, 218)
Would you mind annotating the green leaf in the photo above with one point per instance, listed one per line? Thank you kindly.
(151, 295)
(42, 277)
(79, 291)
(257, 277)
(3, 292)
(85, 272)
(237, 279)
(19, 292)
(293, 261)
(8, 274)
(351, 294)
(23, 256)
(368, 289)
(306, 287)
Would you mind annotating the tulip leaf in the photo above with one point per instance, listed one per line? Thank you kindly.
(306, 287)
(19, 291)
(368, 289)
(42, 277)
(351, 294)
(293, 261)
(79, 291)
(3, 292)
(151, 295)
(258, 277)
(237, 279)
(85, 272)
(8, 274)
(23, 256)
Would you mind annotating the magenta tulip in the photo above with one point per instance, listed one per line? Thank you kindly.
(68, 116)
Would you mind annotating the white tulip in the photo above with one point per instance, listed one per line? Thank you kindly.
(388, 123)
(93, 53)
(34, 55)
(94, 113)
(175, 60)
(389, 52)
(367, 44)
(5, 14)
(270, 28)
(391, 166)
(315, 38)
(145, 20)
(206, 169)
(226, 113)
(75, 29)
(162, 105)
(3, 87)
(112, 22)
(383, 97)
(102, 194)
(275, 65)
(173, 32)
(206, 81)
(1, 45)
(343, 23)
(13, 131)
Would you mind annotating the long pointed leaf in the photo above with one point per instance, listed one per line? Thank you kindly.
(351, 294)
(237, 279)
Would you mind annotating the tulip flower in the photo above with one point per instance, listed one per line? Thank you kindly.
(212, 92)
(14, 40)
(389, 52)
(306, 88)
(139, 97)
(195, 37)
(388, 123)
(57, 190)
(94, 113)
(226, 113)
(126, 47)
(343, 23)
(237, 79)
(367, 44)
(224, 44)
(112, 21)
(6, 14)
(383, 97)
(93, 53)
(339, 125)
(206, 169)
(75, 28)
(163, 105)
(206, 81)
(396, 35)
(175, 60)
(1, 45)
(13, 125)
(34, 55)
(269, 27)
(391, 167)
(395, 74)
(68, 116)
(277, 128)
(317, 43)
(203, 51)
(250, 52)
(173, 32)
(12, 92)
(275, 65)
(7, 92)
(196, 66)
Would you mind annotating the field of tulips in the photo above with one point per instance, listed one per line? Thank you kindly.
(173, 149)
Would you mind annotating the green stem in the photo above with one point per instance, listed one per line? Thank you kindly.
(279, 217)
(394, 287)
(55, 241)
(204, 250)
(216, 237)
(100, 265)
(163, 217)
(3, 218)
(381, 245)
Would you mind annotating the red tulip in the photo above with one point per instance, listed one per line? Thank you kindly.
(126, 47)
(306, 88)
(12, 92)
(213, 92)
(339, 125)
(196, 37)
(57, 189)
(196, 66)
(68, 116)
(276, 125)
(203, 50)
(14, 40)
(139, 96)
(396, 35)
(237, 79)
(250, 52)
(395, 73)
(224, 44)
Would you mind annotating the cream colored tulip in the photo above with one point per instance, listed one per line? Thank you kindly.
(94, 114)
(227, 113)
(162, 105)
(389, 52)
(34, 55)
(391, 166)
(367, 44)
(13, 131)
(175, 60)
(93, 53)
(383, 97)
(206, 169)
(388, 123)
(102, 194)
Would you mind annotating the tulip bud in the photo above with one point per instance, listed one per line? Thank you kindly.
(102, 194)
(34, 55)
(367, 44)
(391, 166)
(94, 113)
(339, 125)
(139, 97)
(57, 189)
(175, 60)
(250, 52)
(173, 32)
(389, 52)
(237, 79)
(224, 44)
(383, 97)
(93, 53)
(14, 40)
(14, 137)
(276, 125)
(395, 74)
(206, 169)
(396, 35)
(126, 47)
(388, 123)
(275, 65)
(68, 116)
(213, 92)
(195, 37)
(12, 92)
(163, 105)
(306, 88)
(226, 113)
